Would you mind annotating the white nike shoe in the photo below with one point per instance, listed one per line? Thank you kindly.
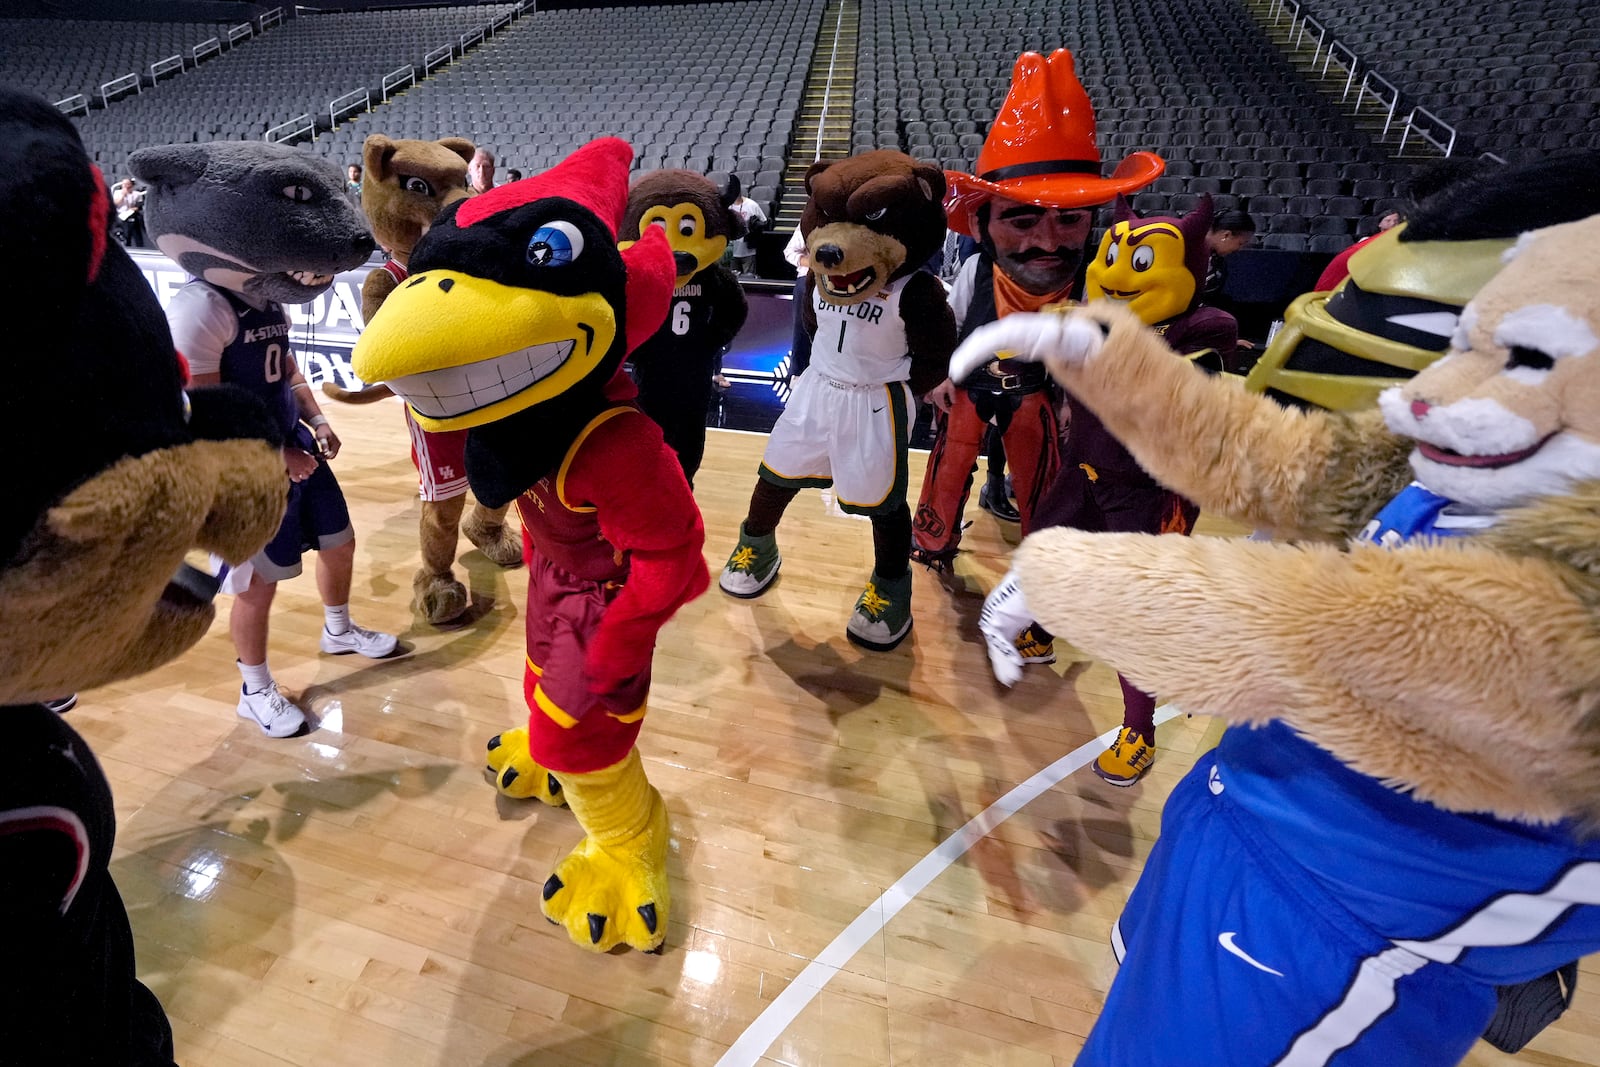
(369, 643)
(272, 711)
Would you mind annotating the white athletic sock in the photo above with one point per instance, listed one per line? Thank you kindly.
(337, 620)
(256, 677)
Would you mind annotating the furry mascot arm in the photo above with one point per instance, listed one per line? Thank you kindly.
(731, 306)
(1297, 474)
(1454, 667)
(374, 291)
(930, 331)
(645, 510)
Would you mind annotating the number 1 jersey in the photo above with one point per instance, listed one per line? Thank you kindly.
(865, 343)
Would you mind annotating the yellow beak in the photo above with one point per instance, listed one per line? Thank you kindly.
(464, 351)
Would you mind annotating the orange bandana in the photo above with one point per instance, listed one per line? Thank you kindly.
(1010, 297)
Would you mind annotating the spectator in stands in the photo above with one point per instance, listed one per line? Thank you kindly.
(1339, 268)
(1230, 231)
(129, 202)
(352, 182)
(755, 220)
(480, 172)
(513, 175)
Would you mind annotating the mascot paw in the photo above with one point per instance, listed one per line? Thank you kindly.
(1005, 615)
(499, 541)
(615, 894)
(439, 597)
(1037, 337)
(515, 773)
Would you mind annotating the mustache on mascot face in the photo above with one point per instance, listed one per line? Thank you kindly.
(1071, 257)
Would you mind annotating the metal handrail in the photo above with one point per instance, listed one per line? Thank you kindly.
(1322, 36)
(283, 131)
(161, 66)
(271, 18)
(397, 77)
(211, 46)
(354, 100)
(1491, 155)
(1439, 125)
(498, 24)
(240, 32)
(1285, 5)
(1350, 67)
(1394, 97)
(438, 58)
(67, 106)
(470, 38)
(827, 89)
(117, 85)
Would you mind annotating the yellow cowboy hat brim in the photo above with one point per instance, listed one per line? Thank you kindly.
(967, 192)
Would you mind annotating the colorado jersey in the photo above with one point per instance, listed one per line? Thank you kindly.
(865, 343)
(218, 333)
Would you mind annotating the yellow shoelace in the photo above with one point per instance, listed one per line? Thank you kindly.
(871, 603)
(744, 557)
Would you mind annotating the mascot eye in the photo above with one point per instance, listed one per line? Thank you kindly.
(1111, 256)
(874, 216)
(418, 186)
(555, 244)
(1144, 257)
(1531, 358)
(686, 227)
(297, 193)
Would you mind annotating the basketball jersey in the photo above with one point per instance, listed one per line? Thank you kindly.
(256, 358)
(567, 532)
(865, 343)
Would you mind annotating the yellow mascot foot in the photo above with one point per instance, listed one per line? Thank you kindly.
(612, 889)
(515, 773)
(439, 597)
(496, 538)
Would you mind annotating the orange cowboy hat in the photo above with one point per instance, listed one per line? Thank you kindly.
(1041, 148)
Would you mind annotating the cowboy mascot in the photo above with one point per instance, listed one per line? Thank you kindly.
(1029, 208)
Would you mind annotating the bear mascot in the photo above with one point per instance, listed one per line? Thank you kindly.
(1406, 814)
(514, 325)
(882, 331)
(125, 473)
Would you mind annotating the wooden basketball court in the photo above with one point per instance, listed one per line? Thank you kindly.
(361, 896)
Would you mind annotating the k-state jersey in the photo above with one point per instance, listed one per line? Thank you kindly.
(257, 356)
(865, 343)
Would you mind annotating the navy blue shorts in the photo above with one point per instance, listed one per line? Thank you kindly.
(317, 518)
(1232, 956)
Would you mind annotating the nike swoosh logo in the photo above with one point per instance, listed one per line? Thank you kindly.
(877, 411)
(1225, 939)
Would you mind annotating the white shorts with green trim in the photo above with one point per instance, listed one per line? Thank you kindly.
(852, 437)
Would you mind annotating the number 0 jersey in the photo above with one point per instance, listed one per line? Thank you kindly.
(219, 333)
(865, 343)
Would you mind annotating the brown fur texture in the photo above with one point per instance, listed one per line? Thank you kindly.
(1465, 671)
(880, 210)
(681, 187)
(99, 559)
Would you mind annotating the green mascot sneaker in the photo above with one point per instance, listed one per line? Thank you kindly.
(752, 566)
(883, 613)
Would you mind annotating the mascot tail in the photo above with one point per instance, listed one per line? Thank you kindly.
(365, 395)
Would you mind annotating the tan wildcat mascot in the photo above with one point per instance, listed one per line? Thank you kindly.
(1408, 814)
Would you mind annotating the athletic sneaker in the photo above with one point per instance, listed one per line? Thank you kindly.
(1127, 759)
(992, 498)
(272, 711)
(369, 643)
(62, 705)
(752, 566)
(1036, 644)
(883, 613)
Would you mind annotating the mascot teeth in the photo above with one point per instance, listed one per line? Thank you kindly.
(851, 284)
(306, 277)
(451, 391)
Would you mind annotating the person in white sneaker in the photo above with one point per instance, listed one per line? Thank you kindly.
(227, 338)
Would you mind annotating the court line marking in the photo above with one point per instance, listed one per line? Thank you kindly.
(787, 1006)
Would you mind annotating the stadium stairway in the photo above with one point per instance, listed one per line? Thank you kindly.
(822, 129)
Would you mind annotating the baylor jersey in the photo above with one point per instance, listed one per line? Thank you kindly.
(865, 343)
